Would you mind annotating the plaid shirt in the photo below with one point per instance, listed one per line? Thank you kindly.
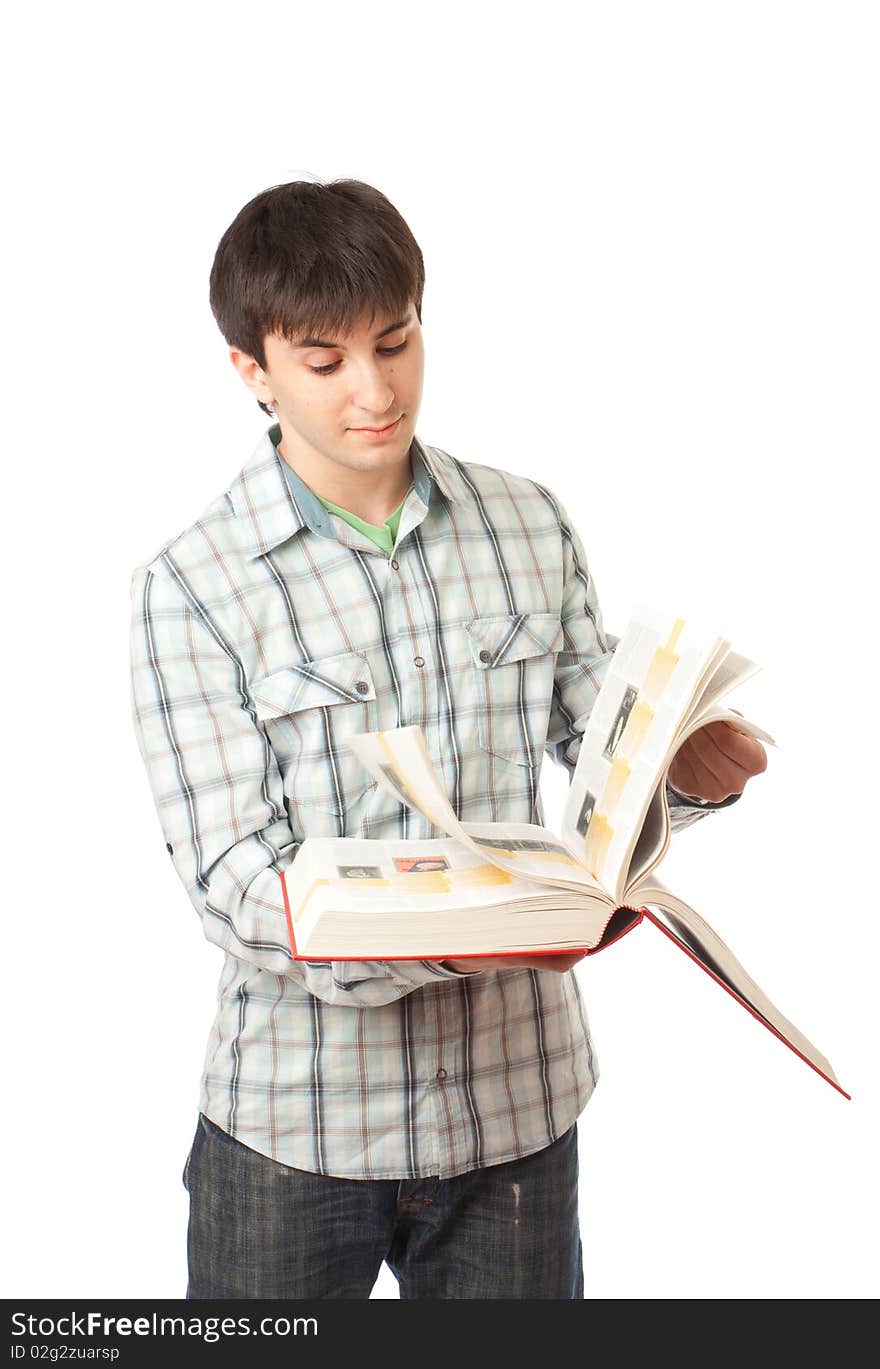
(262, 637)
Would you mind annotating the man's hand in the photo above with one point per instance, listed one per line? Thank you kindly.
(558, 963)
(716, 761)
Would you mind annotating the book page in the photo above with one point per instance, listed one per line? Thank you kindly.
(731, 672)
(707, 947)
(658, 668)
(532, 852)
(357, 897)
(399, 760)
(699, 718)
(653, 838)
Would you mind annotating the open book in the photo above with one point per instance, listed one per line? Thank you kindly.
(492, 888)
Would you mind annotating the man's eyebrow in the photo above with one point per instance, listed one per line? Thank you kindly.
(319, 342)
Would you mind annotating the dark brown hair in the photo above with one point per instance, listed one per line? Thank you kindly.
(312, 257)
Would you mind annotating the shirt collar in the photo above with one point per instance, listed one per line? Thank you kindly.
(271, 503)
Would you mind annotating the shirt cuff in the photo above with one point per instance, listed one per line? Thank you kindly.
(695, 802)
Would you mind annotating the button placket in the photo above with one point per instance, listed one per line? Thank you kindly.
(410, 617)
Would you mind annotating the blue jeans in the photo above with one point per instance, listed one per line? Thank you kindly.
(259, 1229)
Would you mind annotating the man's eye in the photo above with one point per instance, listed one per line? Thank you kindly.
(331, 366)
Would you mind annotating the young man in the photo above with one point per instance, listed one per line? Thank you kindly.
(352, 578)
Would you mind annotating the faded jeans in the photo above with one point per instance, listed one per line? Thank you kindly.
(260, 1229)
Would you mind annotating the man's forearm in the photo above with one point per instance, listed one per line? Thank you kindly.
(559, 964)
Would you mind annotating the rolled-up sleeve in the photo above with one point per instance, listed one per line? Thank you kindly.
(219, 797)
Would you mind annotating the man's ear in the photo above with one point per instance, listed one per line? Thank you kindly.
(252, 375)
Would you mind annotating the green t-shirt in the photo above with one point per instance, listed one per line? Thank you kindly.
(383, 536)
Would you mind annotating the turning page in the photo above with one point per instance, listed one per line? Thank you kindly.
(693, 934)
(659, 668)
(399, 760)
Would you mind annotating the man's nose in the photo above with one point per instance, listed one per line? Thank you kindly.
(373, 395)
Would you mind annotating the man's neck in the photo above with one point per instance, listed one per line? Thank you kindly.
(372, 497)
(371, 505)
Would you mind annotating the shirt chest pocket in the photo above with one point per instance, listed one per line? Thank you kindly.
(514, 659)
(308, 713)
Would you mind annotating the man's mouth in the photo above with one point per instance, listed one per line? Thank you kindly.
(379, 433)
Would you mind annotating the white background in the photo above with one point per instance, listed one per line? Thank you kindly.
(651, 237)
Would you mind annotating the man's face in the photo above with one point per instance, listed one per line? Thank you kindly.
(325, 389)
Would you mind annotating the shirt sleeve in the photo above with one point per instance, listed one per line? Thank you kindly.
(685, 809)
(219, 797)
(581, 667)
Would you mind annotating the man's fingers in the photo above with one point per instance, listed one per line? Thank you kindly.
(744, 752)
(709, 785)
(693, 777)
(709, 765)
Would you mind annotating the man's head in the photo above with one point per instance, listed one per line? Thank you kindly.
(317, 289)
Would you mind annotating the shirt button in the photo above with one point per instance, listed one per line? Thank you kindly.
(485, 655)
(395, 565)
(441, 1074)
(419, 660)
(362, 687)
(169, 848)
